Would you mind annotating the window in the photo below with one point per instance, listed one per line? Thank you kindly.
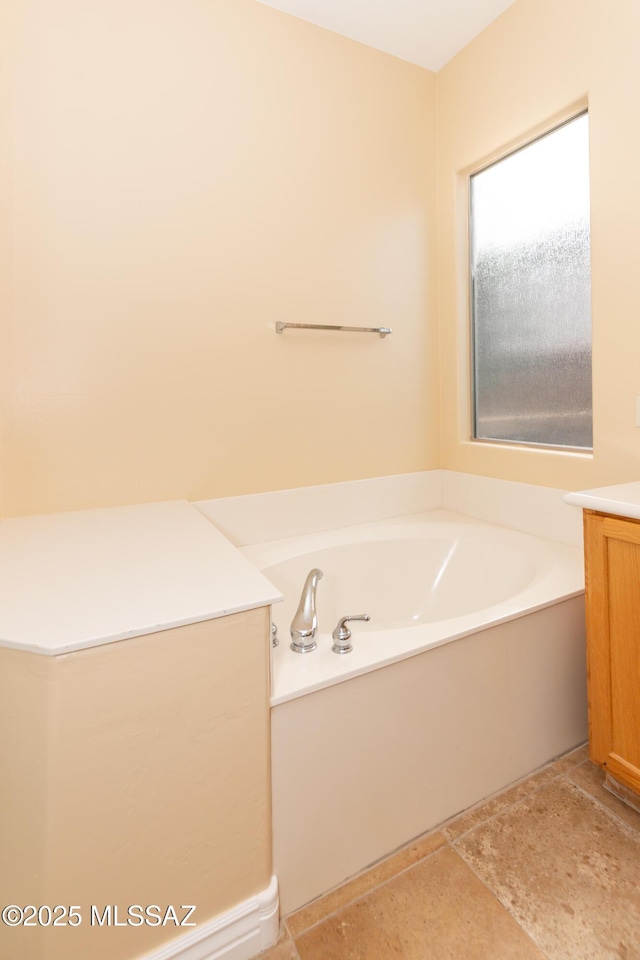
(531, 293)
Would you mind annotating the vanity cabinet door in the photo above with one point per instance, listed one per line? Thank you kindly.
(612, 563)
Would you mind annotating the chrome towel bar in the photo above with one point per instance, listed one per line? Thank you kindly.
(381, 331)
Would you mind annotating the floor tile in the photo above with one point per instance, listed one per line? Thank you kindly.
(567, 871)
(284, 949)
(571, 760)
(590, 777)
(348, 892)
(470, 819)
(436, 910)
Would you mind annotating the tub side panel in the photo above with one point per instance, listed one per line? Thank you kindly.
(365, 766)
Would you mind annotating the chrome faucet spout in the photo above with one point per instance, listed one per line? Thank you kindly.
(304, 626)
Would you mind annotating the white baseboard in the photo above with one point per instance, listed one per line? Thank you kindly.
(238, 934)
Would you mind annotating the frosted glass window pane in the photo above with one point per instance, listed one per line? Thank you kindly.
(531, 292)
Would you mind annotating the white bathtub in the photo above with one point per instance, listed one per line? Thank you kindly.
(372, 748)
(424, 580)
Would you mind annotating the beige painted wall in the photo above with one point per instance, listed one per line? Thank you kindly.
(540, 58)
(177, 177)
(24, 709)
(136, 772)
(186, 174)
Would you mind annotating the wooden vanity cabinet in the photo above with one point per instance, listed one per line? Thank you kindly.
(612, 568)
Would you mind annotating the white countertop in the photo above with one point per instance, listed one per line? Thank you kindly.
(621, 499)
(69, 581)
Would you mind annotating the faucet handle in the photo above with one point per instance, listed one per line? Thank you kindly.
(342, 635)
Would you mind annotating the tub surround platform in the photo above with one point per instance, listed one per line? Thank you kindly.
(76, 580)
(261, 517)
(80, 579)
(621, 499)
(540, 511)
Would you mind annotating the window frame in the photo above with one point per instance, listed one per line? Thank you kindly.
(504, 153)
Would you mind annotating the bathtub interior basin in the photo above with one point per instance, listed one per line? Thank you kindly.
(425, 580)
(404, 581)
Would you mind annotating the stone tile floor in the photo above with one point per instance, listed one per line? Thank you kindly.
(549, 869)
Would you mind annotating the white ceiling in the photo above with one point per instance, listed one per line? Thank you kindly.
(426, 32)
